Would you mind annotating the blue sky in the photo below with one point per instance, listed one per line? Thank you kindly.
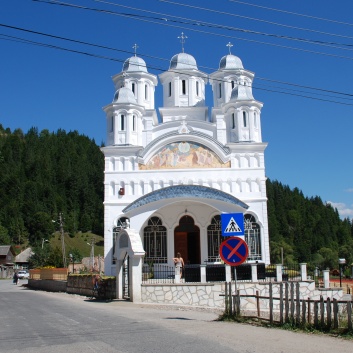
(303, 48)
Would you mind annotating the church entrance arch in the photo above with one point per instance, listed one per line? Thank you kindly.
(187, 240)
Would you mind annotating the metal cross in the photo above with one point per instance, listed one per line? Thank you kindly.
(229, 45)
(182, 40)
(135, 46)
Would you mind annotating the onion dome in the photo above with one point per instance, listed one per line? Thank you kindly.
(230, 62)
(183, 61)
(124, 95)
(134, 64)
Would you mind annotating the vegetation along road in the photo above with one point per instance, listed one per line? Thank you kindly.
(42, 322)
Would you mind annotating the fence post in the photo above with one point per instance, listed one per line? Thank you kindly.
(279, 272)
(292, 301)
(328, 312)
(281, 303)
(322, 311)
(335, 313)
(303, 312)
(254, 273)
(228, 273)
(287, 301)
(258, 304)
(316, 314)
(271, 303)
(297, 297)
(326, 274)
(203, 274)
(309, 311)
(349, 314)
(303, 272)
(230, 298)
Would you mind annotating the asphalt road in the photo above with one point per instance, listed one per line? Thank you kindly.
(42, 322)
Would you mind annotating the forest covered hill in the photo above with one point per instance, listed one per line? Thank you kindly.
(43, 174)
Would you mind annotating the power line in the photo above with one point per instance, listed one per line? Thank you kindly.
(129, 52)
(218, 26)
(160, 69)
(163, 21)
(252, 19)
(293, 13)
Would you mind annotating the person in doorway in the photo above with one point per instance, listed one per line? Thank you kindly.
(179, 263)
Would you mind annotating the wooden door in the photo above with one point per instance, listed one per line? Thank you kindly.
(181, 245)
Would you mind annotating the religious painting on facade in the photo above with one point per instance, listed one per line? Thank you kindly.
(181, 155)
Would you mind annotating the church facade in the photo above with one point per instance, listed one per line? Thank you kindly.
(171, 172)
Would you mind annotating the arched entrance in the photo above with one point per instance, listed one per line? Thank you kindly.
(187, 240)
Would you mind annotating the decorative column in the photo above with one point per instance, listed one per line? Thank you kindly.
(326, 274)
(203, 273)
(279, 272)
(303, 272)
(254, 273)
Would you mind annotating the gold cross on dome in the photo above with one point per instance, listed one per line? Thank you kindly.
(182, 40)
(229, 45)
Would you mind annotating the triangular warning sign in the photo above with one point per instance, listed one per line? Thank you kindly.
(232, 227)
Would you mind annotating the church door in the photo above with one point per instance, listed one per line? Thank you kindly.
(187, 240)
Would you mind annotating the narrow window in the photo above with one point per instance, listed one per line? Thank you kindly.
(233, 84)
(112, 123)
(133, 123)
(122, 122)
(220, 90)
(233, 121)
(170, 89)
(146, 91)
(255, 119)
(183, 85)
(244, 119)
(133, 88)
(197, 88)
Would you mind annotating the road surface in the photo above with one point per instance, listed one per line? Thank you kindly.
(42, 322)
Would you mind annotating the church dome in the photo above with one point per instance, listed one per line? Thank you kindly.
(134, 64)
(183, 61)
(124, 95)
(230, 62)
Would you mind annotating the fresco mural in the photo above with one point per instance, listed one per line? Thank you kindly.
(181, 155)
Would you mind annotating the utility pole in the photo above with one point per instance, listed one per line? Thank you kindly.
(61, 223)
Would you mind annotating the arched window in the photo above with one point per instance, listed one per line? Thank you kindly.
(170, 89)
(233, 84)
(183, 87)
(146, 92)
(214, 239)
(155, 241)
(252, 237)
(134, 123)
(220, 90)
(133, 88)
(244, 119)
(197, 88)
(122, 223)
(233, 121)
(122, 122)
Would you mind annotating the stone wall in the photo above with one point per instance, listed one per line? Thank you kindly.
(212, 294)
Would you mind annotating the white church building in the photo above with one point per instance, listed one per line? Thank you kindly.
(171, 171)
